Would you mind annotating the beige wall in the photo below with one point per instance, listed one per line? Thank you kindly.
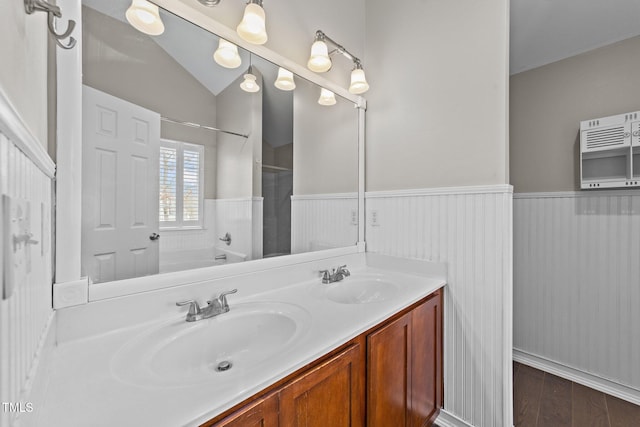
(437, 112)
(325, 144)
(239, 165)
(23, 74)
(548, 103)
(123, 62)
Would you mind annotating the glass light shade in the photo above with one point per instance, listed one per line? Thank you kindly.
(252, 27)
(227, 54)
(319, 60)
(358, 82)
(249, 84)
(327, 97)
(285, 80)
(145, 17)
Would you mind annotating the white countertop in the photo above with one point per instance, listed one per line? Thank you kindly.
(82, 389)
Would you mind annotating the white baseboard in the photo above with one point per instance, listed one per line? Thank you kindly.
(445, 419)
(597, 383)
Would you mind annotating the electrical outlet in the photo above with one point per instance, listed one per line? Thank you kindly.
(374, 219)
(354, 217)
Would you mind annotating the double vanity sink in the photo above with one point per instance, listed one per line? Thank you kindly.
(239, 342)
(159, 369)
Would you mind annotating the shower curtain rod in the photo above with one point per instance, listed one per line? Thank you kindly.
(196, 125)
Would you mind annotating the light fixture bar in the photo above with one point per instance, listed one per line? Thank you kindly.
(320, 35)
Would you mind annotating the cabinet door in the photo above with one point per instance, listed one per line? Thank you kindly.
(404, 369)
(332, 394)
(426, 362)
(263, 413)
(388, 374)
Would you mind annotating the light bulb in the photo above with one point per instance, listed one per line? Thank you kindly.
(252, 27)
(358, 81)
(227, 54)
(145, 17)
(285, 80)
(249, 84)
(319, 60)
(326, 97)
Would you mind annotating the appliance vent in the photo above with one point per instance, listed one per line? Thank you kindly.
(608, 137)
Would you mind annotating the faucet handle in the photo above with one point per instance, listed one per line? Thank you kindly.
(194, 308)
(343, 269)
(326, 276)
(222, 299)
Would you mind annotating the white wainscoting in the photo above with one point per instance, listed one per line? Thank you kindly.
(174, 244)
(471, 230)
(26, 316)
(236, 217)
(323, 221)
(577, 285)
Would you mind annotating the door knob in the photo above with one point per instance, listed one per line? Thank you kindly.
(154, 236)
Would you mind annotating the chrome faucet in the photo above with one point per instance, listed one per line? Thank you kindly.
(216, 306)
(336, 275)
(226, 238)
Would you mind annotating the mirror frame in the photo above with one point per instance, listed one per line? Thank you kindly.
(72, 289)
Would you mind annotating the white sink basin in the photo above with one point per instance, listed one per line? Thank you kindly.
(363, 290)
(180, 353)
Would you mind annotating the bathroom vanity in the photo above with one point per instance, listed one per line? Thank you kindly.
(291, 351)
(392, 373)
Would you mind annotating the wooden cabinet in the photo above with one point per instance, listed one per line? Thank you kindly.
(389, 376)
(426, 362)
(328, 395)
(261, 413)
(404, 368)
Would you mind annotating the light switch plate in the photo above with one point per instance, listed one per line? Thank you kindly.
(16, 256)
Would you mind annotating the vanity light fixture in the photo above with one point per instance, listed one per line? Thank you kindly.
(252, 27)
(227, 54)
(327, 97)
(249, 84)
(320, 61)
(145, 17)
(285, 80)
(358, 81)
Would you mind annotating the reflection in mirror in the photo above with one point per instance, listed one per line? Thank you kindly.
(184, 169)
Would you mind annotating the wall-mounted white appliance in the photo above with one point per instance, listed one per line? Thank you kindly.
(610, 152)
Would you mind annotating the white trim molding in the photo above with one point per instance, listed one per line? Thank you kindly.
(69, 294)
(14, 128)
(577, 376)
(575, 194)
(478, 189)
(445, 419)
(324, 196)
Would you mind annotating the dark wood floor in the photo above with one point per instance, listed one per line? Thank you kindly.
(544, 400)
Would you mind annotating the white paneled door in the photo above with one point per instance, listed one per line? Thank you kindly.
(120, 143)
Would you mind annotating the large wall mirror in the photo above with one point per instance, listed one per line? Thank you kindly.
(184, 169)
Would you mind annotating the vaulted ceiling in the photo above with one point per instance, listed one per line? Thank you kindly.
(545, 31)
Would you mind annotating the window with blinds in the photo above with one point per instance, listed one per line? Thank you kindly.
(181, 189)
